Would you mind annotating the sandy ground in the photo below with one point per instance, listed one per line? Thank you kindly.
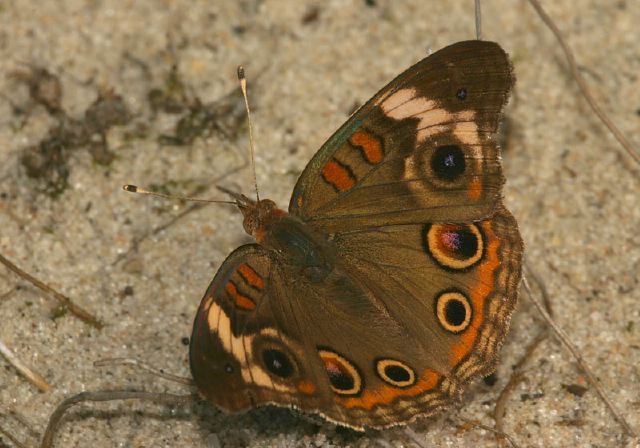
(309, 63)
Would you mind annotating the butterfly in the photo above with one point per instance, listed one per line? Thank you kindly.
(389, 283)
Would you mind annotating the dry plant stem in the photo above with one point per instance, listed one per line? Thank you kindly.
(108, 395)
(19, 418)
(546, 299)
(8, 294)
(506, 436)
(516, 377)
(15, 415)
(414, 437)
(478, 20)
(135, 244)
(8, 435)
(564, 339)
(142, 366)
(573, 66)
(33, 377)
(383, 443)
(81, 313)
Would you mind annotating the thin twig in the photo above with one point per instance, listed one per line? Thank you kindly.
(383, 443)
(478, 20)
(135, 243)
(81, 313)
(108, 395)
(506, 436)
(517, 376)
(546, 298)
(143, 366)
(584, 88)
(414, 437)
(8, 294)
(19, 418)
(15, 441)
(564, 339)
(34, 378)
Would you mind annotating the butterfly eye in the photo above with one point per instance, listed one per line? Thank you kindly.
(228, 368)
(277, 363)
(462, 94)
(453, 311)
(447, 162)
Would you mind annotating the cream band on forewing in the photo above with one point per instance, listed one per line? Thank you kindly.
(433, 121)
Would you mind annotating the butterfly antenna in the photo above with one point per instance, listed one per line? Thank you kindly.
(243, 87)
(139, 190)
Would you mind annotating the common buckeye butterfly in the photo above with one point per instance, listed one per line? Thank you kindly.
(390, 282)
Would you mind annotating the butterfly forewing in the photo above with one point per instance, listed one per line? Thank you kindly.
(422, 149)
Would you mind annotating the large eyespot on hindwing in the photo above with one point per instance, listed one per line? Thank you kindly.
(343, 375)
(395, 373)
(453, 311)
(454, 246)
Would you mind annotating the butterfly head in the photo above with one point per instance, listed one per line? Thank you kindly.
(258, 215)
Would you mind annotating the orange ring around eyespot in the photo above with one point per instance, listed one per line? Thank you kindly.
(441, 241)
(479, 292)
(386, 394)
(336, 364)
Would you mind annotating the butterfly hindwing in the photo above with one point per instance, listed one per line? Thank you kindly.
(229, 312)
(459, 279)
(399, 323)
(422, 149)
(261, 331)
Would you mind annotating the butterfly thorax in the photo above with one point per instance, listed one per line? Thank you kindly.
(295, 242)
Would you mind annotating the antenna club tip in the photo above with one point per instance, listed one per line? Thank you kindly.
(241, 76)
(130, 188)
